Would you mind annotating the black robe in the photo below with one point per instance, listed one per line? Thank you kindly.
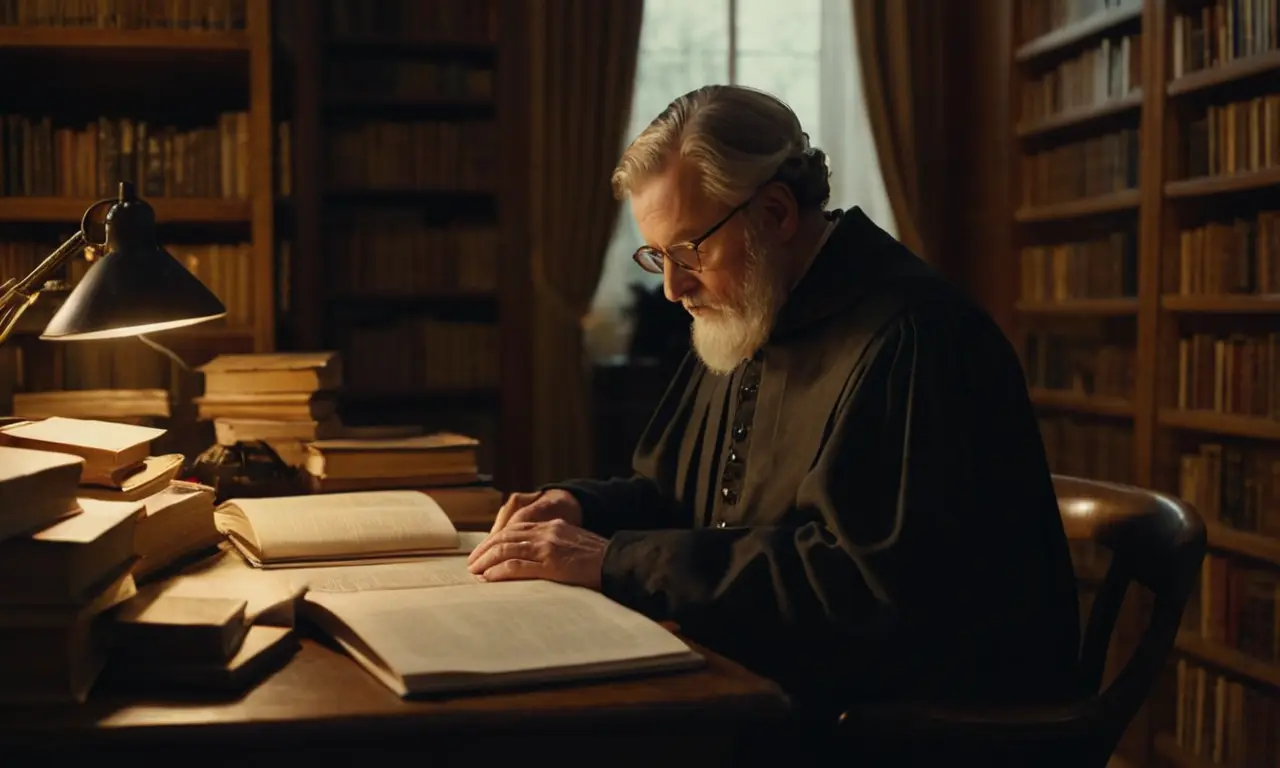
(861, 511)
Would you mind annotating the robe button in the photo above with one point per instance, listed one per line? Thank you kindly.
(729, 495)
(740, 432)
(750, 389)
(734, 458)
(722, 524)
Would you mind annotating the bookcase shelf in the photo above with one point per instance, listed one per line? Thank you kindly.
(1078, 32)
(168, 209)
(1167, 748)
(1211, 422)
(1092, 206)
(1263, 549)
(1230, 72)
(1229, 659)
(1078, 402)
(1074, 118)
(1225, 305)
(1265, 179)
(71, 39)
(1118, 307)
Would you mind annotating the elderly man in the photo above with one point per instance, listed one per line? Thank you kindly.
(845, 487)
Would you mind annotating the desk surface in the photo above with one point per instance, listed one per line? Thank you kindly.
(321, 691)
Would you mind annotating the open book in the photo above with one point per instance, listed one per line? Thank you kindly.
(337, 528)
(493, 635)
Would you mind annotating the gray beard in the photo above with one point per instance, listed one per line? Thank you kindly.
(733, 333)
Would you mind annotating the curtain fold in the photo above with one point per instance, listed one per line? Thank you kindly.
(900, 49)
(582, 72)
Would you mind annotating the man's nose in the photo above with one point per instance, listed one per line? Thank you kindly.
(676, 281)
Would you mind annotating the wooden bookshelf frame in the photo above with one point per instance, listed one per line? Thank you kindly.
(1160, 204)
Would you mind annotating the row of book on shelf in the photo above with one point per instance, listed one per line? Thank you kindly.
(152, 583)
(1107, 71)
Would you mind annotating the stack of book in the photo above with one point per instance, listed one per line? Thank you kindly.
(443, 465)
(163, 640)
(64, 562)
(281, 399)
(117, 466)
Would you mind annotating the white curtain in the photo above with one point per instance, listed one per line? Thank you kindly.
(844, 130)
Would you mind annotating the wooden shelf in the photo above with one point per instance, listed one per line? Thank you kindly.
(389, 45)
(1229, 659)
(1116, 307)
(1081, 116)
(1218, 185)
(1222, 74)
(1213, 422)
(362, 102)
(1167, 747)
(1081, 403)
(1262, 548)
(70, 38)
(1238, 304)
(168, 209)
(1090, 206)
(1077, 32)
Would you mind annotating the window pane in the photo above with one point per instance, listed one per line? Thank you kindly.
(778, 51)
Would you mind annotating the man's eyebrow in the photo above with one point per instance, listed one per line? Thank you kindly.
(684, 235)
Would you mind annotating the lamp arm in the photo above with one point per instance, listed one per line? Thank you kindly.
(21, 294)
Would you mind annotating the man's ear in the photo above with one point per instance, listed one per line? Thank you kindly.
(779, 210)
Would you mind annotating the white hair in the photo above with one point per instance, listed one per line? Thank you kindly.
(738, 138)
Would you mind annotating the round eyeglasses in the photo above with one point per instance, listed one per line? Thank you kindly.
(686, 255)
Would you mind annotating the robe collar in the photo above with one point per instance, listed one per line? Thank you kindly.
(857, 258)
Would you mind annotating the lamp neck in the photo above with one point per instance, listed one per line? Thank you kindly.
(131, 223)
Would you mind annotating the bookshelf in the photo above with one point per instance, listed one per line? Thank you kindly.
(1146, 231)
(406, 216)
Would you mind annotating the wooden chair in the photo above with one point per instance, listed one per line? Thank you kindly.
(1155, 540)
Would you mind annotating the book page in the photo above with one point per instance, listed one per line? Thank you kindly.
(338, 525)
(416, 574)
(497, 628)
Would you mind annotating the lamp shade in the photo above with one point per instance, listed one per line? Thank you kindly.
(136, 287)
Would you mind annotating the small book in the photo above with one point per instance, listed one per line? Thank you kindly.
(37, 489)
(337, 528)
(489, 636)
(263, 650)
(272, 372)
(111, 451)
(178, 522)
(154, 476)
(282, 406)
(406, 457)
(160, 627)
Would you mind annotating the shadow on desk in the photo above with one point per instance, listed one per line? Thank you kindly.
(322, 708)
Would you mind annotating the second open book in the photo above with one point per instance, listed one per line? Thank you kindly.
(338, 528)
(383, 575)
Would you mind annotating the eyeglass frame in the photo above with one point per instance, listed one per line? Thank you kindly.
(695, 244)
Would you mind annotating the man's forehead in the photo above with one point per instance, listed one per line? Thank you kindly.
(671, 207)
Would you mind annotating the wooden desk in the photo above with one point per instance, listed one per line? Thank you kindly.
(323, 708)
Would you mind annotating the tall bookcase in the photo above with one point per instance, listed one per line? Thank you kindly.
(120, 90)
(409, 172)
(1147, 238)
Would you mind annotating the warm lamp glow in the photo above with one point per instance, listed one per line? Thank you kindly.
(133, 330)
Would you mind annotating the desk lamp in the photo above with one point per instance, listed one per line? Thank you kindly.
(135, 288)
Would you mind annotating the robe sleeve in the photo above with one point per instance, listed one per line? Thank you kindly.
(884, 514)
(646, 500)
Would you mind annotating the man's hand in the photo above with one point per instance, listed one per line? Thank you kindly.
(538, 507)
(552, 549)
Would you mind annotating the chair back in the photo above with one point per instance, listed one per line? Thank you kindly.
(1155, 540)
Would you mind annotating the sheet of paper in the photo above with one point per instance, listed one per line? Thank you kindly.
(427, 572)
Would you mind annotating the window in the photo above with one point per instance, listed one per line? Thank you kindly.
(801, 51)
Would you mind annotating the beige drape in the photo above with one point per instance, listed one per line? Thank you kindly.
(583, 63)
(900, 50)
